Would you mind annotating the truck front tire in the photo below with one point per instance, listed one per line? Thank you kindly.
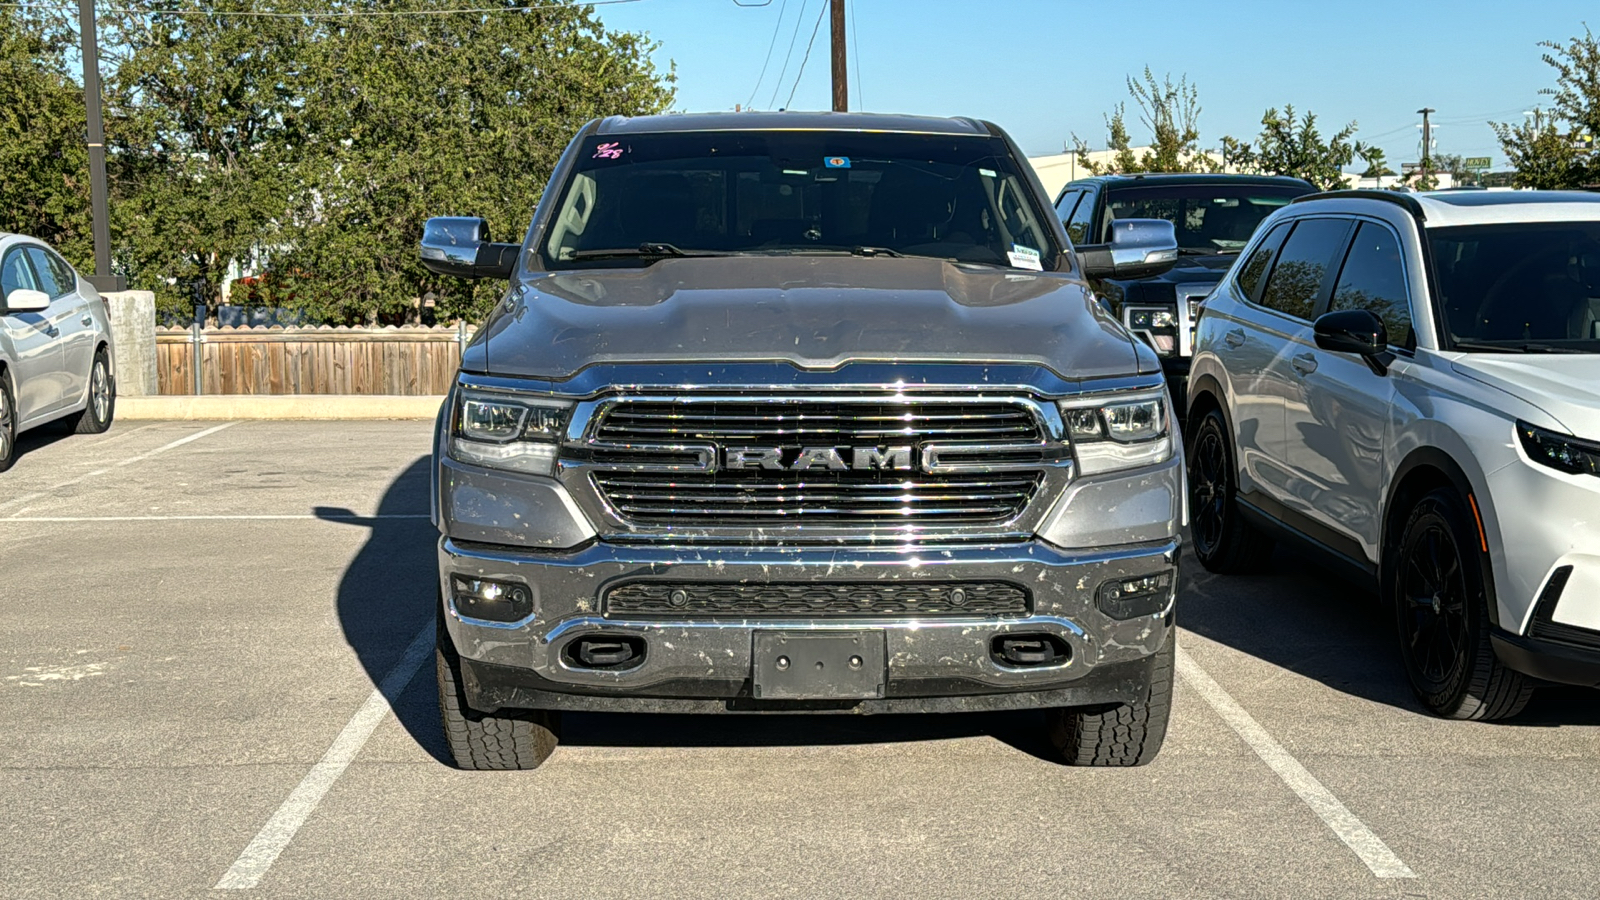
(508, 739)
(1124, 734)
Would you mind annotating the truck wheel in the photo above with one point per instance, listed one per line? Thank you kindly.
(1223, 541)
(509, 739)
(1442, 606)
(1124, 734)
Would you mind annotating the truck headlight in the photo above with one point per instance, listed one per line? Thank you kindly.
(1559, 451)
(500, 431)
(1124, 434)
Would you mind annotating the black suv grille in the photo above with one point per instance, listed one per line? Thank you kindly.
(756, 497)
(812, 600)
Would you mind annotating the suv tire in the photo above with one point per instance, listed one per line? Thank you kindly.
(96, 415)
(1123, 734)
(1223, 541)
(8, 424)
(508, 739)
(1441, 601)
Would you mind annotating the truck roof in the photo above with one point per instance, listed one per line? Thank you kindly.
(784, 120)
(1181, 178)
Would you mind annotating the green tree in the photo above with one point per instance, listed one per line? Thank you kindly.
(44, 166)
(1170, 112)
(1295, 146)
(1541, 153)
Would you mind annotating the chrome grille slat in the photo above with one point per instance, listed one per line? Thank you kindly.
(626, 429)
(658, 598)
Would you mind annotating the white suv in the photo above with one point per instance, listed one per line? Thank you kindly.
(1410, 384)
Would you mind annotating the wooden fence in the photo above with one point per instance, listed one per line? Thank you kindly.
(325, 360)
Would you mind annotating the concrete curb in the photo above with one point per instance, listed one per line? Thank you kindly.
(278, 406)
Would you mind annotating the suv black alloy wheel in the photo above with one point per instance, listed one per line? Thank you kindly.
(1223, 541)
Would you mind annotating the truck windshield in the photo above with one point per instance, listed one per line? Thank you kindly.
(1209, 218)
(637, 198)
(1523, 288)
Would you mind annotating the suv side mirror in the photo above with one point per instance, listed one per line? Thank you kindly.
(460, 246)
(1139, 248)
(27, 300)
(1357, 331)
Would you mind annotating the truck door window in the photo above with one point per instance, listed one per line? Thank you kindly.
(1081, 227)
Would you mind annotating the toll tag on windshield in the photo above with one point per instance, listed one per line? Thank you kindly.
(837, 162)
(1025, 258)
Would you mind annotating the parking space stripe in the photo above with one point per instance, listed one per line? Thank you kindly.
(17, 501)
(1356, 835)
(263, 850)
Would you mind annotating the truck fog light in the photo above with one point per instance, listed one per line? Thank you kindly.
(497, 601)
(1128, 598)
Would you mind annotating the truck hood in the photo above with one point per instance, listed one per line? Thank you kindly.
(812, 312)
(1565, 386)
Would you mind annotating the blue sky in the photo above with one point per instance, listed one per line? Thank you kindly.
(1044, 69)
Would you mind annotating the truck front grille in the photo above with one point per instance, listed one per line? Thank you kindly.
(653, 598)
(635, 436)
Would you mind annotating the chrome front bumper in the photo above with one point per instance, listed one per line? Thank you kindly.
(711, 658)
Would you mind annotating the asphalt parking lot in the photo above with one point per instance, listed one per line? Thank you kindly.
(198, 615)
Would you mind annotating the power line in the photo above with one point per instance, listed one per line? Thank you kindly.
(770, 45)
(798, 18)
(855, 42)
(814, 29)
(350, 14)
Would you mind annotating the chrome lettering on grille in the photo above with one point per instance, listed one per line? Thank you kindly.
(874, 458)
(818, 456)
(754, 458)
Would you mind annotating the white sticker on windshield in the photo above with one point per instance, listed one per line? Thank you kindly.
(988, 173)
(1025, 258)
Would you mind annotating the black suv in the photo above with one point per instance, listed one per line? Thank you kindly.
(1214, 217)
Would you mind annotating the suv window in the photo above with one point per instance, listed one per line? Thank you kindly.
(48, 268)
(794, 192)
(15, 273)
(1302, 267)
(1374, 278)
(1081, 227)
(1254, 268)
(1529, 287)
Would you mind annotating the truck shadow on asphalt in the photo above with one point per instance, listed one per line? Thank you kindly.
(1312, 621)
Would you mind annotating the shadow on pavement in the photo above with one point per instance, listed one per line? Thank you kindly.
(1312, 621)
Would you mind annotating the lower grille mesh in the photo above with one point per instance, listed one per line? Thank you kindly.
(813, 600)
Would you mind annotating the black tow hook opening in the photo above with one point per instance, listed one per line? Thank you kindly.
(1025, 651)
(606, 651)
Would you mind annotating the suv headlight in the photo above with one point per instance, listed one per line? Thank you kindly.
(1559, 451)
(501, 431)
(1109, 436)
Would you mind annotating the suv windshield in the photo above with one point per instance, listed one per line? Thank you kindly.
(1531, 287)
(1209, 218)
(637, 198)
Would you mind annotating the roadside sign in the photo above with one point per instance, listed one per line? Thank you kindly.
(1476, 162)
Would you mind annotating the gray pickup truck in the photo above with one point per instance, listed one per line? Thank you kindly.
(803, 413)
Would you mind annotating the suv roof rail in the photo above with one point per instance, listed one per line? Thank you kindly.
(1411, 204)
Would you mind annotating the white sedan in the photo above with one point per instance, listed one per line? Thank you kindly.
(55, 346)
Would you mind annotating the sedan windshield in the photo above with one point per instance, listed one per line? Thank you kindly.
(1208, 218)
(638, 198)
(1523, 288)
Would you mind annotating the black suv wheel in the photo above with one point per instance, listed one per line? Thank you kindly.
(1223, 541)
(1441, 595)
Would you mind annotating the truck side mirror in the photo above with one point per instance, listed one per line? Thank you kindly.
(460, 246)
(1139, 248)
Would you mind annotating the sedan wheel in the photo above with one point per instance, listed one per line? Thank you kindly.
(102, 405)
(8, 426)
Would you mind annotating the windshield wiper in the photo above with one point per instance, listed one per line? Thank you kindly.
(875, 251)
(654, 249)
(1512, 347)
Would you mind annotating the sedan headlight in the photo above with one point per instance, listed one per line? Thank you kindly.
(1124, 434)
(501, 431)
(1559, 451)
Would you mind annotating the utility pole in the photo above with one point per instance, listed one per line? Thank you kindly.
(841, 76)
(1427, 143)
(103, 280)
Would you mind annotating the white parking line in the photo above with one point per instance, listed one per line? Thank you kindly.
(1355, 834)
(16, 501)
(263, 850)
(240, 518)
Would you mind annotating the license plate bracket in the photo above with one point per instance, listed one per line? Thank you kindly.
(810, 665)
